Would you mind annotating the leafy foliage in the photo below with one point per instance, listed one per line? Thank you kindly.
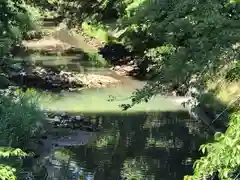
(95, 59)
(223, 155)
(17, 128)
(7, 171)
(19, 115)
(7, 152)
(201, 37)
(16, 20)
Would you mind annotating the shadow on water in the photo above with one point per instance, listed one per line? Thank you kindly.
(140, 146)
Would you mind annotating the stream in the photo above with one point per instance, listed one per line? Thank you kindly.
(152, 141)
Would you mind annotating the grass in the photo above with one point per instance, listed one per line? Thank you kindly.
(96, 59)
(103, 32)
(225, 91)
(96, 31)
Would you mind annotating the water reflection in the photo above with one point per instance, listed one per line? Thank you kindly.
(143, 146)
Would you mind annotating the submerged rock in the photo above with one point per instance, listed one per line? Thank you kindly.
(78, 118)
(17, 66)
(64, 120)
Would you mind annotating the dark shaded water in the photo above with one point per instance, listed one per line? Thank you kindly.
(142, 146)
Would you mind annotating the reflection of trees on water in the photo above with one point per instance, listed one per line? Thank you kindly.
(143, 146)
(138, 147)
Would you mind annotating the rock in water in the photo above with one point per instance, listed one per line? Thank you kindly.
(56, 118)
(78, 118)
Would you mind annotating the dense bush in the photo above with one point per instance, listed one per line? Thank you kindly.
(185, 38)
(19, 122)
(10, 162)
(223, 155)
(19, 116)
(17, 18)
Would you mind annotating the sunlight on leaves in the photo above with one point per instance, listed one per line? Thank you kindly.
(134, 169)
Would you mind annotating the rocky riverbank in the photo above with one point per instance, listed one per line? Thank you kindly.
(48, 79)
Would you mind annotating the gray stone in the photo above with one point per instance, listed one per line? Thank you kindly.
(56, 118)
(78, 118)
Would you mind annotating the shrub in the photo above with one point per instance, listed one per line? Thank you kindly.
(19, 117)
(96, 59)
(223, 155)
(95, 31)
(10, 162)
(18, 19)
